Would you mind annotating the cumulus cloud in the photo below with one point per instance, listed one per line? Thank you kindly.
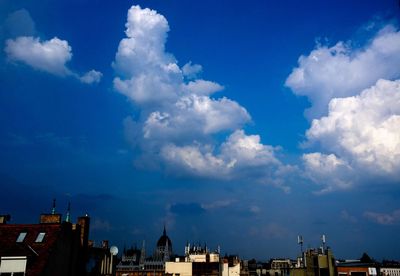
(92, 76)
(182, 125)
(342, 70)
(50, 56)
(202, 87)
(327, 170)
(384, 218)
(241, 156)
(190, 70)
(355, 111)
(363, 130)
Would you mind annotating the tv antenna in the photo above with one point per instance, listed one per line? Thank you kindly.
(300, 241)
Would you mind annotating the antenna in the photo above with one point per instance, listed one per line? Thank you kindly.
(68, 218)
(53, 210)
(300, 241)
(323, 239)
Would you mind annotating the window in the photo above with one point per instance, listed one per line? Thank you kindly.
(40, 237)
(21, 237)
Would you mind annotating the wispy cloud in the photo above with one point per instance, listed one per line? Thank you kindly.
(384, 218)
(101, 225)
(346, 216)
(271, 230)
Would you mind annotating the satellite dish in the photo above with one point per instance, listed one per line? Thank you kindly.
(114, 250)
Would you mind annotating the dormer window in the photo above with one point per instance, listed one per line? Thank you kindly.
(40, 237)
(21, 237)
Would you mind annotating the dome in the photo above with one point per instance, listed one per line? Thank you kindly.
(163, 240)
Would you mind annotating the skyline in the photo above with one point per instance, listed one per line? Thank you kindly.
(236, 124)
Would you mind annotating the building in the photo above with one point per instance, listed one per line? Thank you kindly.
(390, 271)
(135, 263)
(390, 268)
(51, 247)
(315, 262)
(100, 259)
(200, 261)
(356, 268)
(279, 267)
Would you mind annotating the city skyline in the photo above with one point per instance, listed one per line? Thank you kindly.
(240, 124)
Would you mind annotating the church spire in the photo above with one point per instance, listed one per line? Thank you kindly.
(164, 232)
(53, 210)
(68, 218)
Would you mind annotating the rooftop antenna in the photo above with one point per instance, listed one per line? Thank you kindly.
(68, 218)
(323, 239)
(300, 241)
(53, 210)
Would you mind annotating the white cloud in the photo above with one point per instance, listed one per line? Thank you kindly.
(190, 70)
(50, 55)
(246, 150)
(241, 156)
(384, 218)
(147, 74)
(364, 129)
(202, 87)
(193, 117)
(328, 171)
(355, 100)
(92, 76)
(343, 70)
(181, 125)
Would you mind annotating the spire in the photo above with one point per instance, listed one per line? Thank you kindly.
(53, 210)
(164, 232)
(143, 253)
(166, 251)
(68, 218)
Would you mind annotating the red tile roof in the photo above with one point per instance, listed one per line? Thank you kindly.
(37, 252)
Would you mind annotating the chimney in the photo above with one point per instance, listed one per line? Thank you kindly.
(4, 219)
(52, 217)
(84, 222)
(104, 244)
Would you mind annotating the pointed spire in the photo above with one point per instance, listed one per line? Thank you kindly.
(164, 232)
(53, 210)
(68, 218)
(166, 251)
(143, 253)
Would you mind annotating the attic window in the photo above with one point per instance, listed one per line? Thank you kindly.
(21, 237)
(40, 237)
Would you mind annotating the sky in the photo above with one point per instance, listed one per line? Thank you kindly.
(238, 124)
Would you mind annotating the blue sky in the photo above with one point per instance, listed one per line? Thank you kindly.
(236, 123)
